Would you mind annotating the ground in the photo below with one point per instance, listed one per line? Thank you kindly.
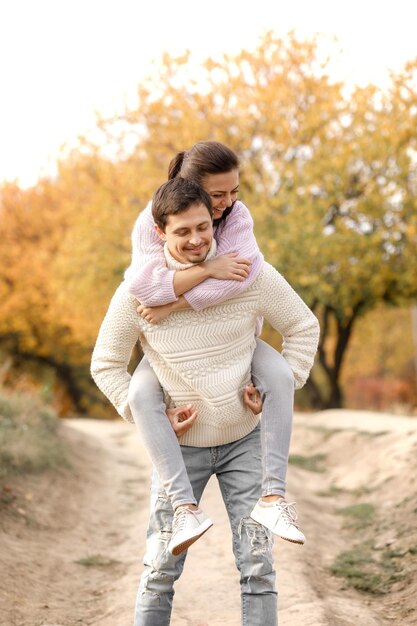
(72, 540)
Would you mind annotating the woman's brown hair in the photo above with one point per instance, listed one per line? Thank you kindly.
(204, 158)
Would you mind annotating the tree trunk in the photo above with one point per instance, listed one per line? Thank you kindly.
(315, 395)
(335, 397)
(67, 375)
(331, 364)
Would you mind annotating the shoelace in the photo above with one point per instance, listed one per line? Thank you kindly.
(288, 512)
(180, 518)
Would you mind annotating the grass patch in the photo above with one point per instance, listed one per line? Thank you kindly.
(325, 431)
(361, 491)
(359, 515)
(365, 573)
(96, 560)
(28, 436)
(331, 492)
(373, 435)
(310, 463)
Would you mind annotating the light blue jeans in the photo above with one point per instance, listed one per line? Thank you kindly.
(238, 469)
(273, 377)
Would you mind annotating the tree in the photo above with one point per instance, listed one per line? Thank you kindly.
(354, 199)
(32, 224)
(330, 176)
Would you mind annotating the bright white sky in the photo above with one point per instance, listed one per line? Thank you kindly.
(60, 60)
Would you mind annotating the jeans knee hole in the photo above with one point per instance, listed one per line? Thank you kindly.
(258, 536)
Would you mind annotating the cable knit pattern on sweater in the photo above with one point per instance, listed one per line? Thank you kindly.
(204, 357)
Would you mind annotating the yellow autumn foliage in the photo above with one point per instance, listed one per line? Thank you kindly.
(330, 177)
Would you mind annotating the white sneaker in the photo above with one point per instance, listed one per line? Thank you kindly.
(187, 527)
(281, 518)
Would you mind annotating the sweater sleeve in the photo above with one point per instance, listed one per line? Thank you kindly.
(150, 281)
(234, 235)
(292, 318)
(117, 337)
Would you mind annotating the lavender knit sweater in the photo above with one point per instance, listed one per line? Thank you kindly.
(151, 282)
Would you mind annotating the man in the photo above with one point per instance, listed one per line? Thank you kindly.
(204, 357)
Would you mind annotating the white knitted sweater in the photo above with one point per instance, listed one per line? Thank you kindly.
(204, 357)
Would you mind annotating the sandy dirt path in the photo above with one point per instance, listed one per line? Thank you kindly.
(72, 555)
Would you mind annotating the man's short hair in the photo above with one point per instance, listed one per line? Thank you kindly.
(176, 196)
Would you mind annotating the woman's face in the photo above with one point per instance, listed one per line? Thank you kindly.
(222, 189)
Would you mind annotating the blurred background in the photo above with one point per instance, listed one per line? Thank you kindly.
(319, 100)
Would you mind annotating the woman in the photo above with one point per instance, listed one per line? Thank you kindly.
(160, 292)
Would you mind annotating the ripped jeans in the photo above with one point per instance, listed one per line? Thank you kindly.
(238, 468)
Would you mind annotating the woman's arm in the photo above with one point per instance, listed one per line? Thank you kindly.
(227, 267)
(155, 314)
(235, 267)
(150, 281)
(235, 235)
(153, 284)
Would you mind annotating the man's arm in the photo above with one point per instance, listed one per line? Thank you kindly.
(292, 318)
(117, 337)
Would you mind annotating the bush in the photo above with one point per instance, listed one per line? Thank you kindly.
(28, 435)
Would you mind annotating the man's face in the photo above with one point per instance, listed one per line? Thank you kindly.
(188, 234)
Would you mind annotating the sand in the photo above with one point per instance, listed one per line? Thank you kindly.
(71, 541)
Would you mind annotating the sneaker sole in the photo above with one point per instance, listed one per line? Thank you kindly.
(186, 544)
(299, 543)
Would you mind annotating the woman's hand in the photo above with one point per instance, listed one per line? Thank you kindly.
(154, 314)
(182, 418)
(228, 267)
(252, 399)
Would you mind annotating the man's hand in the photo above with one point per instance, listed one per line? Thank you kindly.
(154, 314)
(229, 267)
(182, 419)
(252, 399)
